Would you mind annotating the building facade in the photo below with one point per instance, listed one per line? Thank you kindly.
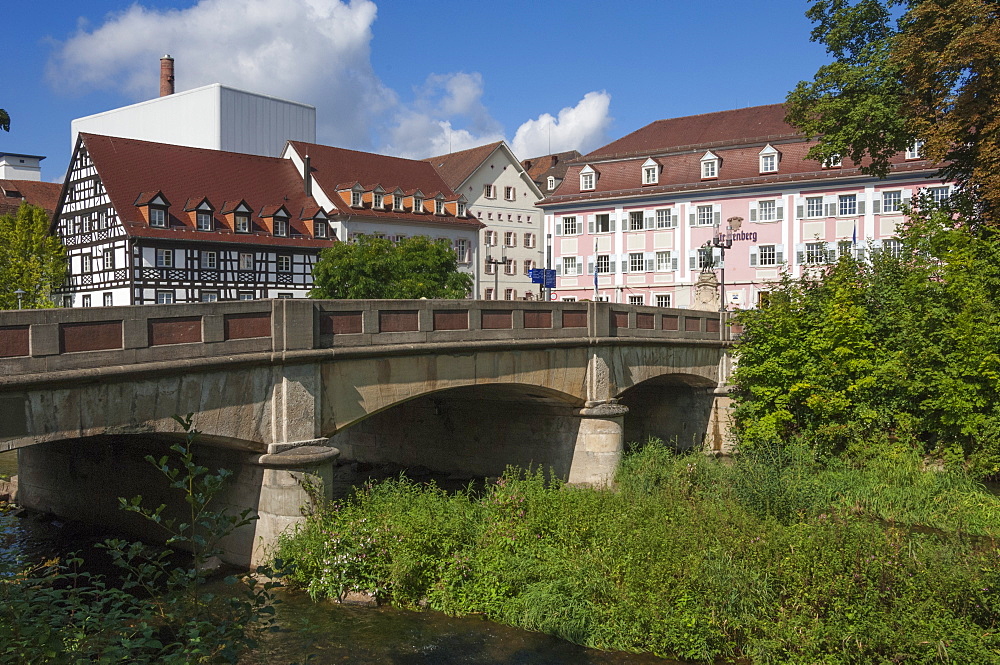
(502, 197)
(634, 221)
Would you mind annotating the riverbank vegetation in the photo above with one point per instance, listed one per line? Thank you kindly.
(779, 557)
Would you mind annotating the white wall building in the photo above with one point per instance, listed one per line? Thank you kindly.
(15, 166)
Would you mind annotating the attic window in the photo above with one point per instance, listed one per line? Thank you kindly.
(915, 149)
(242, 222)
(158, 217)
(833, 162)
(588, 178)
(439, 207)
(281, 226)
(204, 221)
(768, 159)
(356, 199)
(461, 209)
(551, 183)
(709, 165)
(319, 228)
(397, 202)
(418, 204)
(650, 172)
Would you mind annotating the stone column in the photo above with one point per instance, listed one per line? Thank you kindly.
(599, 443)
(284, 497)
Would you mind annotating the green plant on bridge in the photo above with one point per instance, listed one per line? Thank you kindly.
(163, 612)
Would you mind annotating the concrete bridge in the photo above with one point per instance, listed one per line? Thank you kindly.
(278, 388)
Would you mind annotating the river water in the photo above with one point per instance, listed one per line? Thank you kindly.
(326, 633)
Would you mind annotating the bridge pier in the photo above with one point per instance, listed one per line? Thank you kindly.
(600, 442)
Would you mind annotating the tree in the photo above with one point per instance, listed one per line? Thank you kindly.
(4, 121)
(372, 268)
(31, 260)
(904, 70)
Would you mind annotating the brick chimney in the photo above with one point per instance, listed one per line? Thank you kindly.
(166, 75)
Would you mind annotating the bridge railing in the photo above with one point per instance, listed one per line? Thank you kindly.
(39, 341)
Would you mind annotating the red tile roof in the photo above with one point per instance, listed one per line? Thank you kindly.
(130, 168)
(45, 195)
(540, 168)
(456, 167)
(333, 167)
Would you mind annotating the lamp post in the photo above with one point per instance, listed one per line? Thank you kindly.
(20, 294)
(722, 242)
(490, 261)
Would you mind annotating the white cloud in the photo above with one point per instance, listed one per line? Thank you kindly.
(582, 127)
(312, 51)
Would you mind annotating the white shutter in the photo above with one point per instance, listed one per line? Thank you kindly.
(691, 219)
(753, 256)
(717, 256)
(800, 253)
(781, 213)
(590, 224)
(753, 212)
(651, 260)
(559, 269)
(832, 253)
(799, 212)
(693, 259)
(876, 206)
(613, 219)
(830, 209)
(579, 265)
(717, 217)
(673, 263)
(779, 254)
(558, 228)
(861, 207)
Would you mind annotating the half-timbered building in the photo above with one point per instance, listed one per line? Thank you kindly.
(150, 222)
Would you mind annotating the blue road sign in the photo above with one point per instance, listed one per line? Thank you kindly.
(536, 275)
(550, 279)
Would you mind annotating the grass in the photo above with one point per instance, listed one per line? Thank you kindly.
(775, 558)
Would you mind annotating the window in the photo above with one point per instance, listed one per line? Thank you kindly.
(939, 194)
(767, 211)
(242, 222)
(491, 238)
(650, 174)
(204, 221)
(86, 300)
(832, 162)
(397, 202)
(67, 301)
(814, 206)
(462, 250)
(636, 300)
(551, 183)
(509, 193)
(570, 266)
(209, 296)
(892, 202)
(815, 252)
(491, 267)
(602, 224)
(488, 294)
(663, 300)
(439, 207)
(706, 216)
(319, 228)
(848, 204)
(569, 226)
(510, 239)
(703, 259)
(490, 191)
(280, 226)
(844, 248)
(528, 266)
(587, 180)
(246, 261)
(209, 260)
(357, 199)
(164, 297)
(284, 263)
(244, 295)
(893, 247)
(285, 296)
(109, 259)
(109, 300)
(635, 221)
(164, 258)
(766, 255)
(603, 263)
(509, 294)
(636, 262)
(509, 267)
(86, 263)
(915, 149)
(568, 298)
(86, 224)
(461, 209)
(768, 163)
(664, 262)
(529, 240)
(664, 219)
(157, 217)
(418, 204)
(709, 165)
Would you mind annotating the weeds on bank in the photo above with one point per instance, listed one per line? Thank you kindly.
(776, 558)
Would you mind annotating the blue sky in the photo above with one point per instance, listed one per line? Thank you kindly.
(411, 78)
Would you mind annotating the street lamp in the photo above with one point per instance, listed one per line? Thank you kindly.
(20, 294)
(496, 272)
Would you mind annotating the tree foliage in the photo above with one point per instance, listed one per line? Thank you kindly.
(896, 349)
(4, 121)
(373, 268)
(905, 70)
(31, 259)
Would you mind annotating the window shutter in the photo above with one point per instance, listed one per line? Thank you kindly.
(800, 253)
(876, 246)
(799, 212)
(861, 207)
(753, 213)
(779, 254)
(831, 252)
(717, 256)
(650, 262)
(558, 228)
(859, 253)
(691, 219)
(579, 265)
(612, 223)
(876, 206)
(781, 213)
(673, 263)
(718, 217)
(693, 258)
(624, 263)
(559, 269)
(830, 209)
(753, 257)
(590, 224)
(650, 222)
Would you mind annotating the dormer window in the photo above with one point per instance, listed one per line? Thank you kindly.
(158, 217)
(356, 199)
(281, 226)
(418, 204)
(439, 207)
(319, 228)
(551, 183)
(915, 149)
(397, 202)
(461, 209)
(204, 221)
(768, 159)
(588, 178)
(242, 222)
(832, 162)
(709, 165)
(650, 172)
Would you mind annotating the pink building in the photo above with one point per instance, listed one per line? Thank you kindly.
(640, 210)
